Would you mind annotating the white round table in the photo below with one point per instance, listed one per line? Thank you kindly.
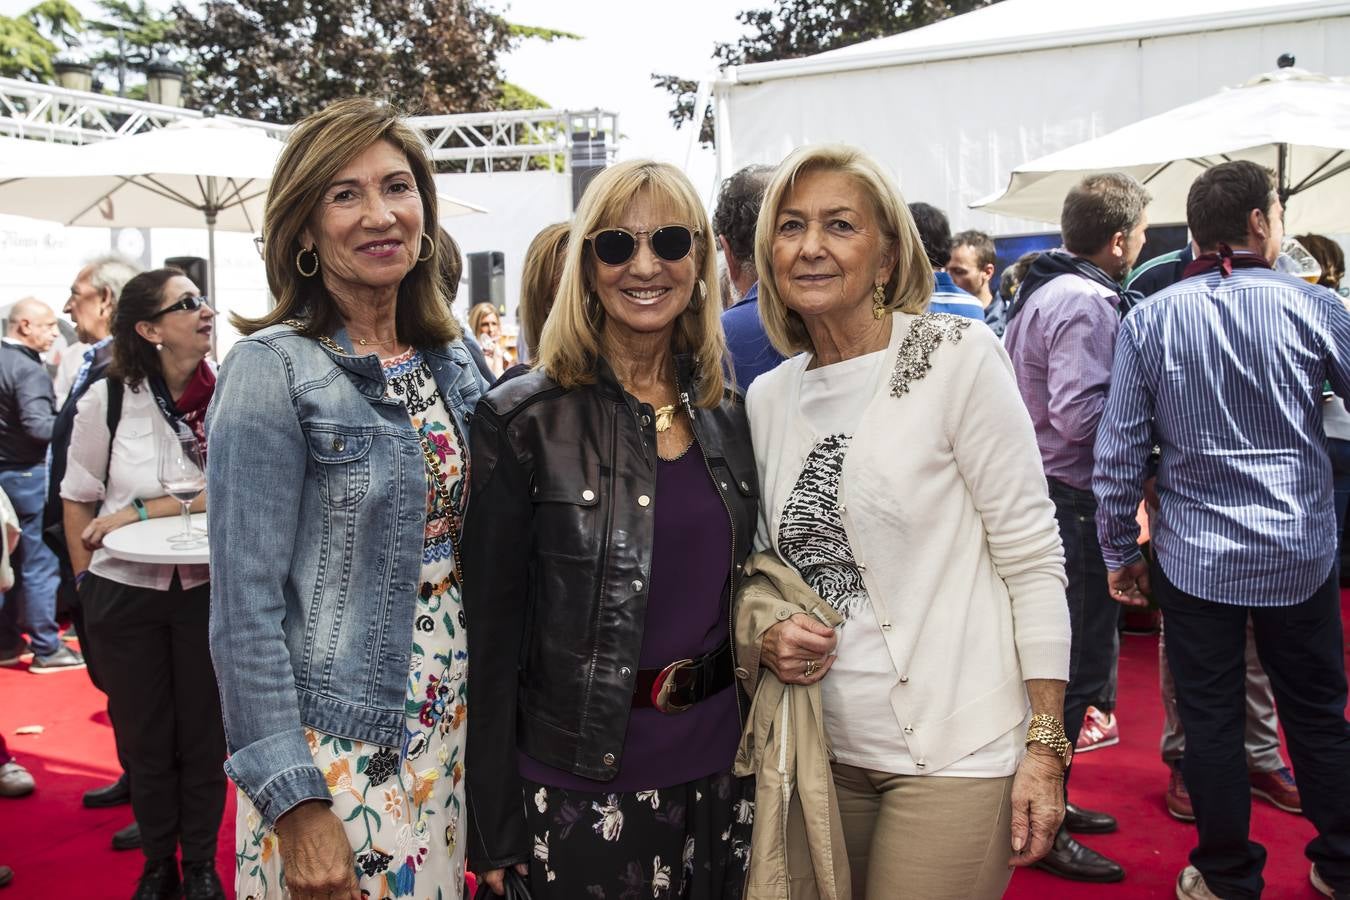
(148, 542)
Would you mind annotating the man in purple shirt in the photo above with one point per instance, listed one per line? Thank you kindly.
(1061, 336)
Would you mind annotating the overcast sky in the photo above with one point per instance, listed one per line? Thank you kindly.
(623, 43)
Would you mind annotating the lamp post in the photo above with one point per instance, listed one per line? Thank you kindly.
(164, 81)
(74, 72)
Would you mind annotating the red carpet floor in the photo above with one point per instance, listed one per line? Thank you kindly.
(60, 850)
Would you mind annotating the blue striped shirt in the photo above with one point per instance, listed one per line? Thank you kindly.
(1226, 375)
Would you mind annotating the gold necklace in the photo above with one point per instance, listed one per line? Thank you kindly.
(365, 343)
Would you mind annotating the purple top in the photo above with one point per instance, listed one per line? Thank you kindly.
(1062, 343)
(687, 616)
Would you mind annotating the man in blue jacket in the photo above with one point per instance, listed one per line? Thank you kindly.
(734, 224)
(27, 412)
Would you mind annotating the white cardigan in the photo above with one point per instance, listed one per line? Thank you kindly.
(946, 508)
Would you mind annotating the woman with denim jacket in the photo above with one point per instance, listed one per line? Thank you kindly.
(337, 478)
(613, 504)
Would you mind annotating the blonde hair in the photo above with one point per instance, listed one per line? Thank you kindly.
(317, 149)
(911, 282)
(540, 276)
(569, 346)
(476, 315)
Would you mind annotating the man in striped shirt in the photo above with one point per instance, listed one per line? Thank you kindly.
(1224, 370)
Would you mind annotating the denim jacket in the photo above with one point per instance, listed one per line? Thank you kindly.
(317, 517)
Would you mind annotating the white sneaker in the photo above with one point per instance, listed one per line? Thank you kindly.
(1191, 886)
(15, 780)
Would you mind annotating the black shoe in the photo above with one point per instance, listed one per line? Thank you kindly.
(128, 838)
(1085, 821)
(1070, 859)
(200, 881)
(6, 875)
(159, 880)
(114, 794)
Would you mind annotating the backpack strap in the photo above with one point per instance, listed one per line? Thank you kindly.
(114, 415)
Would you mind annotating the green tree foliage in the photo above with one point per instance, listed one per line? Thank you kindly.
(283, 59)
(125, 38)
(30, 41)
(794, 28)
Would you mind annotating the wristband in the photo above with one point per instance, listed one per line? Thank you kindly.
(141, 511)
(79, 579)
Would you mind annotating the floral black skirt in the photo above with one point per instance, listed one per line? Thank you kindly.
(690, 841)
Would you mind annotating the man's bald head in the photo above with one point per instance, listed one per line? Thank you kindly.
(33, 324)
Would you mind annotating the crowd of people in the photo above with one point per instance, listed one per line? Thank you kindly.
(787, 554)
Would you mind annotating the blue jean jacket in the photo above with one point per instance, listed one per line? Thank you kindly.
(317, 510)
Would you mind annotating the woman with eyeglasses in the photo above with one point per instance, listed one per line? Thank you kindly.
(147, 622)
(612, 503)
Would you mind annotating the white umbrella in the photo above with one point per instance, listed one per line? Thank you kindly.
(193, 172)
(1295, 122)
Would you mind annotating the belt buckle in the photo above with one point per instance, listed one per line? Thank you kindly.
(666, 683)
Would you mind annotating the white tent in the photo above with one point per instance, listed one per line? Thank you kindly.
(954, 107)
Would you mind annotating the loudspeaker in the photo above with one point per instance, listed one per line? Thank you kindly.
(194, 267)
(487, 279)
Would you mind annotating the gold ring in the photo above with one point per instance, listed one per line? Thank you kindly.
(811, 666)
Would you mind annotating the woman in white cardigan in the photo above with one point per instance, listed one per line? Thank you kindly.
(900, 476)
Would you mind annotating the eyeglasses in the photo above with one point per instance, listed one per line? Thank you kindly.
(190, 303)
(616, 246)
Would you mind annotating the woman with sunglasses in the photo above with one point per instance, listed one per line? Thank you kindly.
(612, 504)
(146, 623)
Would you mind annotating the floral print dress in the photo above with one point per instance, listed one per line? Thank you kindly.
(403, 810)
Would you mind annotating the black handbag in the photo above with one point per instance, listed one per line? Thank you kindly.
(517, 887)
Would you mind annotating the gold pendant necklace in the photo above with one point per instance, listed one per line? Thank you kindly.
(665, 417)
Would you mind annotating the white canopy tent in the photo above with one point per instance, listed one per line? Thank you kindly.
(954, 107)
(1292, 121)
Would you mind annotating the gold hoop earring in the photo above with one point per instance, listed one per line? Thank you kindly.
(299, 267)
(697, 305)
(430, 253)
(879, 302)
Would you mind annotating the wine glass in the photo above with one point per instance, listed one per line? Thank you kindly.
(182, 474)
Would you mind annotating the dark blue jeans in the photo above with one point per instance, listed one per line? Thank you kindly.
(1093, 615)
(1301, 649)
(31, 604)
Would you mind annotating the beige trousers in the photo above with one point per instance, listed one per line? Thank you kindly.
(925, 837)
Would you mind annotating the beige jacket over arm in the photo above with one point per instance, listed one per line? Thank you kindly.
(797, 850)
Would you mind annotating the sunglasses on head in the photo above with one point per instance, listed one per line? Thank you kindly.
(616, 246)
(190, 303)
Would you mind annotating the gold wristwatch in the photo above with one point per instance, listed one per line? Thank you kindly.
(1046, 729)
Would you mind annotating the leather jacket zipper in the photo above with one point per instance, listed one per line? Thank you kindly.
(731, 581)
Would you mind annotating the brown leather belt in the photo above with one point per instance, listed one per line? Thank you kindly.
(685, 682)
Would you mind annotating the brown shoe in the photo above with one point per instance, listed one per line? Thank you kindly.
(1178, 798)
(1278, 788)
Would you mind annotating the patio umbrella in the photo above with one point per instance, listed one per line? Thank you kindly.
(193, 172)
(1290, 120)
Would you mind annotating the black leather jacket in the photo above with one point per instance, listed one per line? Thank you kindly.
(557, 548)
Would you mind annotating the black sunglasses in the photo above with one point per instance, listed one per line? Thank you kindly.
(190, 303)
(616, 246)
